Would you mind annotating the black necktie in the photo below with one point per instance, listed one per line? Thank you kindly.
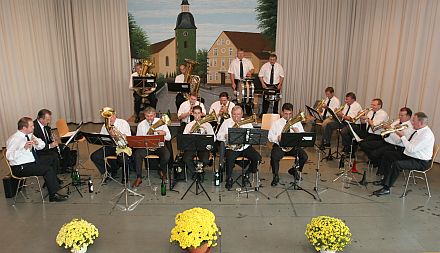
(241, 69)
(346, 113)
(325, 112)
(412, 135)
(271, 75)
(34, 153)
(46, 135)
(369, 126)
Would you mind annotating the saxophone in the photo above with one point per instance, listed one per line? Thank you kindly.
(300, 117)
(248, 120)
(145, 91)
(208, 118)
(115, 134)
(193, 80)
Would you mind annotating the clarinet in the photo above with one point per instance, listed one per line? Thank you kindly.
(58, 146)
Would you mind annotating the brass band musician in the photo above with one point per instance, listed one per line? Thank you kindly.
(138, 99)
(271, 77)
(240, 68)
(185, 112)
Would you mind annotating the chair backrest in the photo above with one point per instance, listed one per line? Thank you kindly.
(62, 127)
(268, 120)
(9, 166)
(434, 155)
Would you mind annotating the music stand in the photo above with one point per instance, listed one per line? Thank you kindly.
(178, 87)
(248, 136)
(143, 81)
(297, 140)
(330, 156)
(195, 142)
(315, 114)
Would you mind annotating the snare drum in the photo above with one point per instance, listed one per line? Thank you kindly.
(246, 90)
(272, 95)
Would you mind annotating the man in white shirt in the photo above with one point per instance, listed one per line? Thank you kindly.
(277, 152)
(330, 102)
(162, 152)
(232, 153)
(222, 106)
(416, 156)
(375, 149)
(97, 157)
(185, 112)
(22, 157)
(180, 79)
(271, 77)
(240, 68)
(350, 110)
(152, 100)
(205, 129)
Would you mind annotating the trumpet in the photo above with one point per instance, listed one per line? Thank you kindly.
(387, 132)
(338, 110)
(360, 114)
(225, 114)
(381, 125)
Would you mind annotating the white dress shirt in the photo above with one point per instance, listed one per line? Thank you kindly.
(394, 139)
(144, 126)
(135, 74)
(277, 127)
(234, 68)
(15, 151)
(216, 106)
(266, 69)
(334, 104)
(120, 124)
(355, 108)
(379, 117)
(222, 134)
(205, 128)
(179, 78)
(186, 107)
(421, 144)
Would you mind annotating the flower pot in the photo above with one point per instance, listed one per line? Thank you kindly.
(328, 251)
(201, 249)
(83, 249)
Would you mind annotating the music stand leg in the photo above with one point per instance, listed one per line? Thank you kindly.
(318, 177)
(196, 181)
(346, 174)
(256, 189)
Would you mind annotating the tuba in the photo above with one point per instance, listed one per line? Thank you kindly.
(387, 132)
(248, 120)
(193, 80)
(292, 121)
(145, 91)
(208, 118)
(115, 134)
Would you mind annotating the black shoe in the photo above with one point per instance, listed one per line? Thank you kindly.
(245, 181)
(294, 173)
(229, 183)
(378, 183)
(275, 180)
(382, 191)
(60, 181)
(57, 198)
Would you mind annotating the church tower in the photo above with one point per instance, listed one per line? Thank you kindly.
(185, 32)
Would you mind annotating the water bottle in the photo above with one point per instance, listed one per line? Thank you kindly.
(163, 188)
(217, 178)
(90, 183)
(77, 178)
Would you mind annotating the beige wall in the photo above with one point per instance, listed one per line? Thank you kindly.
(159, 60)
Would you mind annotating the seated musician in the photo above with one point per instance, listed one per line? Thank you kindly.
(98, 156)
(205, 128)
(277, 153)
(375, 116)
(180, 79)
(222, 106)
(22, 156)
(138, 99)
(349, 110)
(375, 149)
(417, 154)
(331, 102)
(163, 152)
(232, 152)
(271, 77)
(185, 112)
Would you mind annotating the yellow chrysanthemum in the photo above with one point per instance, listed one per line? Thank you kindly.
(76, 234)
(328, 233)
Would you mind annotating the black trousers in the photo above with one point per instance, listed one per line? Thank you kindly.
(34, 169)
(328, 126)
(152, 101)
(375, 149)
(403, 163)
(277, 154)
(188, 159)
(267, 103)
(139, 156)
(250, 153)
(49, 157)
(98, 159)
(347, 136)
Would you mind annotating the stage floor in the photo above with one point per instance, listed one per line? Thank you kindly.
(249, 224)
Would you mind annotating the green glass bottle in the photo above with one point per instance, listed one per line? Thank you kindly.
(163, 188)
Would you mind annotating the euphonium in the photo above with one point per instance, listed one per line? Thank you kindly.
(207, 118)
(193, 80)
(115, 134)
(298, 118)
(381, 125)
(145, 72)
(387, 132)
(164, 120)
(360, 114)
(248, 120)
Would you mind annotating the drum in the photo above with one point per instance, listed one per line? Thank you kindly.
(246, 90)
(272, 95)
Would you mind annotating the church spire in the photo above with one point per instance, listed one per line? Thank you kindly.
(184, 6)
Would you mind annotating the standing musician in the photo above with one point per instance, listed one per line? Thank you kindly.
(22, 156)
(98, 156)
(163, 152)
(185, 112)
(206, 129)
(239, 69)
(349, 111)
(232, 153)
(417, 154)
(375, 116)
(271, 77)
(277, 153)
(375, 149)
(138, 99)
(180, 79)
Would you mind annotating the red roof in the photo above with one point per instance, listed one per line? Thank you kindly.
(251, 42)
(156, 47)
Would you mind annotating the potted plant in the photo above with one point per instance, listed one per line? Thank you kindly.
(328, 234)
(77, 235)
(195, 230)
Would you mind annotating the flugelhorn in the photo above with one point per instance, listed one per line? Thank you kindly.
(207, 118)
(387, 132)
(381, 125)
(320, 105)
(338, 110)
(360, 114)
